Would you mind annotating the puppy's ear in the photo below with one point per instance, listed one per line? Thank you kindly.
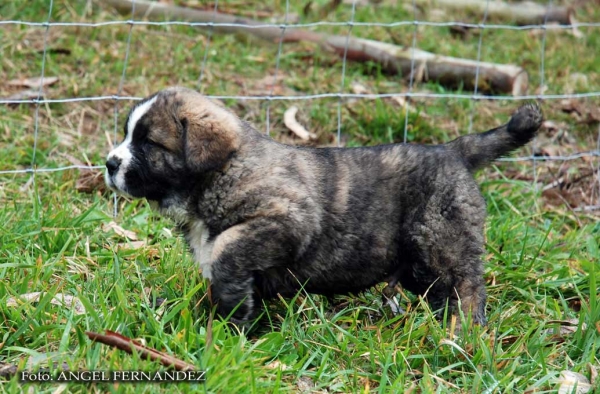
(210, 135)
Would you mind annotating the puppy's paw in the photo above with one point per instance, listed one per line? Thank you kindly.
(239, 325)
(241, 317)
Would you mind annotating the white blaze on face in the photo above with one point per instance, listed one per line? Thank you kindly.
(123, 151)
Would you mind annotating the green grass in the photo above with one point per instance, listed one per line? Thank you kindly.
(541, 258)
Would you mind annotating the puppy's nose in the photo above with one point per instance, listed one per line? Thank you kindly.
(112, 165)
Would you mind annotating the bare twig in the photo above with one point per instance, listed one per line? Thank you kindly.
(128, 345)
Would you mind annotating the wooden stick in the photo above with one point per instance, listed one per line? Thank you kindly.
(156, 10)
(448, 71)
(121, 342)
(522, 13)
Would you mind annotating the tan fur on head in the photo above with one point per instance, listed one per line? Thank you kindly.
(211, 130)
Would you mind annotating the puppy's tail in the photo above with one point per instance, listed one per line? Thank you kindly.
(478, 150)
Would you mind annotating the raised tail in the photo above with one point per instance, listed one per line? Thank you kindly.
(478, 150)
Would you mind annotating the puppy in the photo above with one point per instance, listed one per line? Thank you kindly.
(263, 218)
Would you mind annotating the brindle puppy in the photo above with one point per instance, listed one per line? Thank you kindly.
(263, 218)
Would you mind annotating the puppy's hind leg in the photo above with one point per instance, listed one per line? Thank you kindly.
(459, 294)
(472, 296)
(450, 270)
(462, 286)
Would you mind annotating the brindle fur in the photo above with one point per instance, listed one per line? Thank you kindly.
(334, 220)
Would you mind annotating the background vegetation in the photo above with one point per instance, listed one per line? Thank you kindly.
(542, 260)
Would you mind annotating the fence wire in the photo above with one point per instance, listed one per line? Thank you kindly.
(351, 24)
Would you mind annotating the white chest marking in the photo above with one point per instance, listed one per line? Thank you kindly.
(201, 247)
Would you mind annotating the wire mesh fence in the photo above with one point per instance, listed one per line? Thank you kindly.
(349, 28)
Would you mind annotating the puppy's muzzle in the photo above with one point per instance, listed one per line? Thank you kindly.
(112, 166)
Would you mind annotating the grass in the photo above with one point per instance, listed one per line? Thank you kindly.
(541, 263)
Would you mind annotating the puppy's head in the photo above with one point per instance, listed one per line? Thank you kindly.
(172, 139)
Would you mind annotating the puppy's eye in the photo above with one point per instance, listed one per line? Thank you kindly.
(156, 144)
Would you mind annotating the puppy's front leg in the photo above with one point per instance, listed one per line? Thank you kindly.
(232, 294)
(240, 252)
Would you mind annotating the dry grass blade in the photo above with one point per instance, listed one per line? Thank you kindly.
(90, 181)
(209, 324)
(276, 364)
(573, 383)
(328, 8)
(593, 374)
(7, 370)
(33, 82)
(128, 345)
(60, 299)
(106, 227)
(305, 384)
(27, 94)
(289, 119)
(131, 245)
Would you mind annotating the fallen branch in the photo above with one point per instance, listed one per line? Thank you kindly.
(128, 345)
(522, 13)
(448, 71)
(222, 22)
